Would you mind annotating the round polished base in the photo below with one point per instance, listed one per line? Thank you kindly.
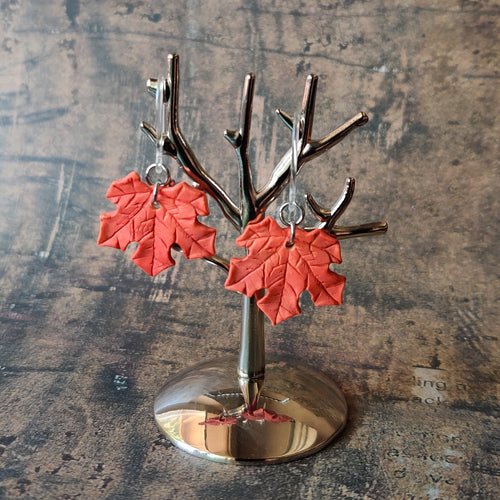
(306, 409)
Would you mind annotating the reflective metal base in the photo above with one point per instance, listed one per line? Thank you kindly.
(315, 404)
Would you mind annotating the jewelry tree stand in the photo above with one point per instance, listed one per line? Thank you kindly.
(244, 410)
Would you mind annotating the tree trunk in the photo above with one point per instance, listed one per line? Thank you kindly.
(251, 365)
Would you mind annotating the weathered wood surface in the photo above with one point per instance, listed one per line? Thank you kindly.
(87, 338)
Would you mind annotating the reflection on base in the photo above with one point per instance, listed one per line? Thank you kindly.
(314, 403)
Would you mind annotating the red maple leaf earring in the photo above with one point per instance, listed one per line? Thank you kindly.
(285, 261)
(157, 214)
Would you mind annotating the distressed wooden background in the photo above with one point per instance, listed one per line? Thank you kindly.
(87, 338)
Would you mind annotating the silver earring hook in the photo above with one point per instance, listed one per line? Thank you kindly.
(291, 213)
(157, 173)
(161, 119)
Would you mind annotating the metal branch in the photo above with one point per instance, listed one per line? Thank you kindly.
(308, 105)
(149, 130)
(285, 118)
(178, 147)
(329, 217)
(253, 202)
(310, 148)
(281, 173)
(216, 260)
(315, 148)
(240, 141)
(151, 133)
(372, 228)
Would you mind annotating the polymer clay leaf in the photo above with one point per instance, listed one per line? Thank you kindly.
(173, 222)
(286, 271)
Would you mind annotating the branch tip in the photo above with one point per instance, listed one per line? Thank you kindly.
(312, 77)
(329, 217)
(152, 86)
(316, 208)
(233, 137)
(308, 105)
(285, 118)
(149, 131)
(342, 203)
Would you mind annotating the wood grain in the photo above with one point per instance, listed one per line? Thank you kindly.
(87, 338)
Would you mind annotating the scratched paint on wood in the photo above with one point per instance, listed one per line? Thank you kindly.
(87, 339)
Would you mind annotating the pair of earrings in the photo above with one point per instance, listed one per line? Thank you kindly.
(160, 215)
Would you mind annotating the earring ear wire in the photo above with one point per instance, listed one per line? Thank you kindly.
(291, 212)
(157, 173)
